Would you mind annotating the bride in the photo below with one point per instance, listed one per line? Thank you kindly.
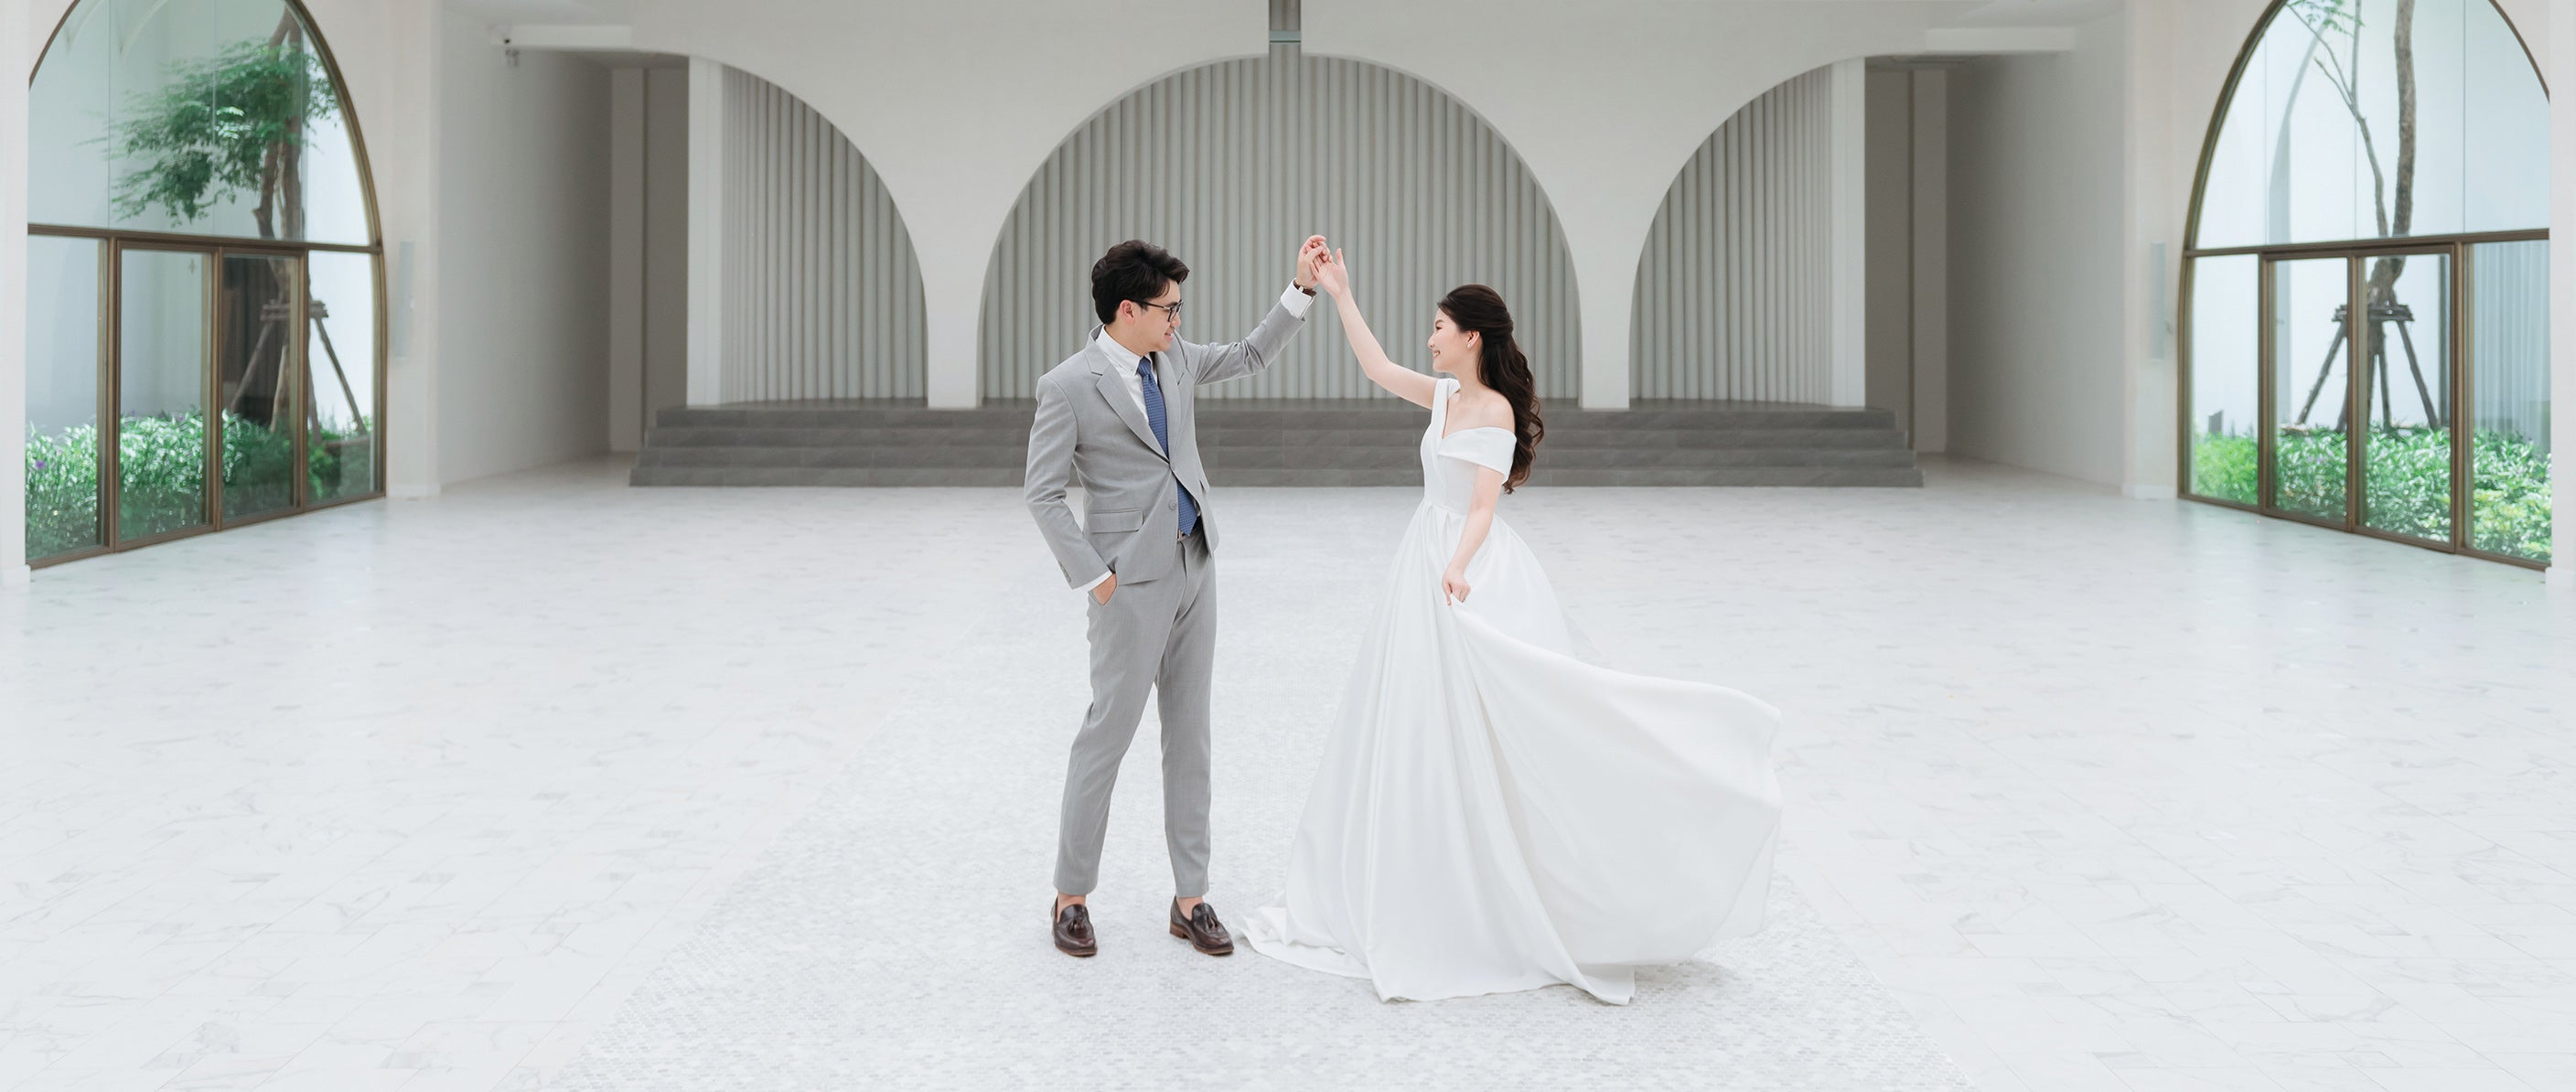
(1492, 813)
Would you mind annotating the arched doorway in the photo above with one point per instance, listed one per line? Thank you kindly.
(205, 278)
(1229, 165)
(2365, 303)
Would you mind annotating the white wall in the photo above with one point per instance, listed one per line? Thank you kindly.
(2039, 300)
(666, 240)
(1890, 267)
(1656, 80)
(1930, 278)
(2561, 43)
(523, 243)
(17, 52)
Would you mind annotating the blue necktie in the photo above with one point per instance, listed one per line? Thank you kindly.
(1162, 435)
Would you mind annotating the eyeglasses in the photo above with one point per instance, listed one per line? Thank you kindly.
(1172, 309)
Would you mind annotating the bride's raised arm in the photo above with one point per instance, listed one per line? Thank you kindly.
(1334, 276)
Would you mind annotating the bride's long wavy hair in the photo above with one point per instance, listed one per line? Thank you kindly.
(1501, 366)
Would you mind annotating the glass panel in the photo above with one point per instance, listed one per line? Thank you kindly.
(161, 390)
(257, 361)
(2509, 373)
(2406, 453)
(339, 356)
(2350, 123)
(212, 117)
(63, 355)
(2226, 426)
(2311, 367)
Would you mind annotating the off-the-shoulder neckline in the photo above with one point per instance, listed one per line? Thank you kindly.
(1451, 382)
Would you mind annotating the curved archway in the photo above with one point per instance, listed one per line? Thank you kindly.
(1733, 289)
(2365, 288)
(206, 281)
(822, 289)
(1229, 164)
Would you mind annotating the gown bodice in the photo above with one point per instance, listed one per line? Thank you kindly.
(1449, 462)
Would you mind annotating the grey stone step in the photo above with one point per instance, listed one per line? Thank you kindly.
(1780, 476)
(1285, 458)
(843, 477)
(1215, 438)
(1275, 442)
(1301, 415)
(827, 477)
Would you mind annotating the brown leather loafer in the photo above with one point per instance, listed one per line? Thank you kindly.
(1073, 931)
(1202, 930)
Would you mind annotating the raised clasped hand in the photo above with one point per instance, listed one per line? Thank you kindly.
(1309, 255)
(1333, 275)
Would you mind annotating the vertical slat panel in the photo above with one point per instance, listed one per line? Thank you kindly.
(1229, 166)
(1732, 296)
(823, 296)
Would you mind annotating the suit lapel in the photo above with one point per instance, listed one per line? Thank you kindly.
(1104, 374)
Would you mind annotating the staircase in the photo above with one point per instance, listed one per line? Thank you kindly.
(1276, 443)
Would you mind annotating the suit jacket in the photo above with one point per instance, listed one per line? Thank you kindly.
(1088, 428)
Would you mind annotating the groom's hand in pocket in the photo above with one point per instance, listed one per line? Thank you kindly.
(1107, 588)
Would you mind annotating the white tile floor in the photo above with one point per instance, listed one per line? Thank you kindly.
(2110, 794)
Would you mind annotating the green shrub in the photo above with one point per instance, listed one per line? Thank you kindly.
(161, 474)
(2224, 467)
(2310, 475)
(2408, 488)
(2509, 496)
(161, 465)
(62, 491)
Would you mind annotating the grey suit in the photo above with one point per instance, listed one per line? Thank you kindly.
(1158, 630)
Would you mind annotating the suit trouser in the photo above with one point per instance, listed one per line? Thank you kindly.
(1158, 635)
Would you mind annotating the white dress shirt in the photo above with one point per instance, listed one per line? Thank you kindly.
(1294, 299)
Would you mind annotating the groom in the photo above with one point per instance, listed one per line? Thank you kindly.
(1119, 416)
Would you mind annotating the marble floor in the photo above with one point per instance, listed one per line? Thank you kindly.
(548, 782)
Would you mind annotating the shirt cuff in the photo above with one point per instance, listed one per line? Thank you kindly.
(1095, 583)
(1296, 300)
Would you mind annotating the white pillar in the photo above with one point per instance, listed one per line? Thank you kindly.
(407, 164)
(1605, 288)
(706, 231)
(1931, 261)
(2150, 276)
(17, 54)
(625, 259)
(1850, 259)
(952, 288)
(2562, 290)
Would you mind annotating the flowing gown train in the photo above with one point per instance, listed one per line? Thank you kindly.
(1493, 813)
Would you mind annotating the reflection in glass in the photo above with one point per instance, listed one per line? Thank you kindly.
(255, 369)
(341, 449)
(161, 412)
(2226, 423)
(2311, 372)
(211, 117)
(2406, 395)
(2349, 122)
(2509, 375)
(63, 356)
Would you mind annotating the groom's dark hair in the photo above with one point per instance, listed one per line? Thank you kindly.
(1132, 270)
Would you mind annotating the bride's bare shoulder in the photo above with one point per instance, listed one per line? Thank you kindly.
(1486, 410)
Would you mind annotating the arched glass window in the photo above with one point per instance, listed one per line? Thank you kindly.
(203, 343)
(2367, 296)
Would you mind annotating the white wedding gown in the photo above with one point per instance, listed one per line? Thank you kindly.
(1494, 814)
